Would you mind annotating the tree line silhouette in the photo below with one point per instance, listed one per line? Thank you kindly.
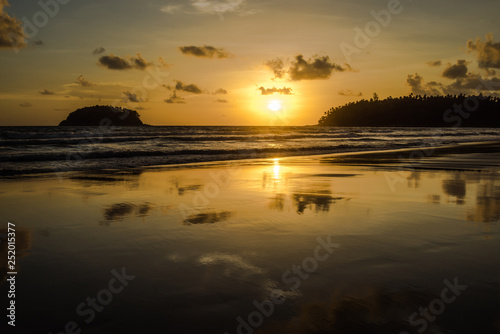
(417, 111)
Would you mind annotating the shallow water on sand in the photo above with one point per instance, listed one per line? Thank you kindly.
(270, 246)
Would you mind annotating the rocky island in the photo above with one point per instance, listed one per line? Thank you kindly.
(96, 115)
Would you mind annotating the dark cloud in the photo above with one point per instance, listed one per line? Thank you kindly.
(274, 90)
(99, 50)
(434, 63)
(418, 88)
(487, 52)
(11, 30)
(25, 105)
(192, 88)
(315, 68)
(348, 92)
(471, 84)
(139, 62)
(131, 97)
(277, 66)
(175, 99)
(458, 70)
(220, 91)
(84, 82)
(113, 62)
(206, 51)
(474, 83)
(46, 92)
(221, 101)
(302, 69)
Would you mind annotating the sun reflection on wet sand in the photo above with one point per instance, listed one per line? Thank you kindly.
(242, 230)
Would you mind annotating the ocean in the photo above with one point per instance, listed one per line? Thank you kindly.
(29, 150)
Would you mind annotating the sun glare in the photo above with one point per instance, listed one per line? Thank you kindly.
(274, 105)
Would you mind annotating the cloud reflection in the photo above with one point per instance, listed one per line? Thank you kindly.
(207, 218)
(118, 211)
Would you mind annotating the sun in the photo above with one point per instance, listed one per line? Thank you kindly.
(274, 105)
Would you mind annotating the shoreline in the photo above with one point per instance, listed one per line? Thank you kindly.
(417, 157)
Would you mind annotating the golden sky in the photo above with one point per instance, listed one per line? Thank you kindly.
(237, 62)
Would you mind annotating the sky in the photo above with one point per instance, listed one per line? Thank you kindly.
(237, 62)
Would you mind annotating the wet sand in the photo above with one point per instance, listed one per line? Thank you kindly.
(363, 243)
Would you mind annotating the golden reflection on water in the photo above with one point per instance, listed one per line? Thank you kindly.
(231, 231)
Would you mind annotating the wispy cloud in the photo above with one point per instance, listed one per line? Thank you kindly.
(205, 51)
(175, 99)
(277, 66)
(99, 50)
(274, 90)
(83, 82)
(221, 91)
(348, 92)
(113, 62)
(131, 97)
(47, 92)
(219, 7)
(434, 63)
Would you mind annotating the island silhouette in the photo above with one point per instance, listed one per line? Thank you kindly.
(417, 111)
(103, 116)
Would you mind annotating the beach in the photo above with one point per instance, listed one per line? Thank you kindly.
(379, 242)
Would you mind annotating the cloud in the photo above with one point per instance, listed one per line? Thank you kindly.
(192, 88)
(487, 52)
(113, 62)
(171, 9)
(418, 88)
(11, 30)
(201, 7)
(458, 70)
(274, 90)
(277, 66)
(38, 42)
(434, 63)
(205, 51)
(175, 99)
(163, 63)
(131, 97)
(470, 84)
(315, 68)
(25, 105)
(221, 7)
(83, 82)
(473, 83)
(302, 69)
(348, 92)
(46, 92)
(99, 50)
(221, 101)
(221, 91)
